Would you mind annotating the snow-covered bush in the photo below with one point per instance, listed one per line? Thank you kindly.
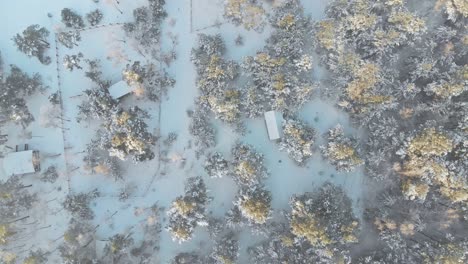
(118, 248)
(188, 211)
(426, 162)
(247, 164)
(202, 130)
(148, 80)
(215, 79)
(324, 219)
(70, 62)
(188, 257)
(255, 204)
(36, 257)
(71, 19)
(282, 247)
(98, 104)
(146, 28)
(98, 160)
(15, 88)
(76, 246)
(126, 135)
(274, 80)
(94, 17)
(216, 166)
(248, 13)
(69, 39)
(170, 139)
(226, 250)
(94, 73)
(78, 204)
(341, 151)
(50, 174)
(297, 140)
(16, 198)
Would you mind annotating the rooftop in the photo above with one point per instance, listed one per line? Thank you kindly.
(23, 162)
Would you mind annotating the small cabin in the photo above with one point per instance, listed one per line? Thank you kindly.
(120, 90)
(272, 125)
(21, 162)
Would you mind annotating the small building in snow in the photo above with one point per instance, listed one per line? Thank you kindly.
(22, 162)
(272, 125)
(120, 89)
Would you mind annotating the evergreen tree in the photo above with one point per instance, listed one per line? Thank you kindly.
(72, 19)
(33, 42)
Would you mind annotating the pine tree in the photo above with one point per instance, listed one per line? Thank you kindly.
(33, 42)
(72, 19)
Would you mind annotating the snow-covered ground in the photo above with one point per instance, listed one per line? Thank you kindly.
(155, 183)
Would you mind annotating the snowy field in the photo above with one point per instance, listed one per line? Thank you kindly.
(153, 182)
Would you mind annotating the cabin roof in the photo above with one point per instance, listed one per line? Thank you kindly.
(120, 89)
(17, 163)
(272, 125)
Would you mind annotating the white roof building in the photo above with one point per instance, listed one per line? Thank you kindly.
(23, 162)
(120, 89)
(272, 125)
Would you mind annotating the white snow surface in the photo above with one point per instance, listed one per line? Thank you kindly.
(154, 181)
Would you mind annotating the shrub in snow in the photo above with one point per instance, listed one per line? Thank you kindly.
(70, 62)
(456, 11)
(171, 138)
(69, 39)
(147, 80)
(76, 246)
(428, 159)
(50, 174)
(279, 75)
(341, 151)
(282, 247)
(247, 164)
(78, 204)
(126, 135)
(6, 232)
(324, 219)
(72, 19)
(297, 140)
(15, 198)
(215, 79)
(185, 258)
(94, 74)
(239, 41)
(216, 166)
(15, 88)
(94, 17)
(97, 160)
(248, 13)
(188, 211)
(152, 229)
(118, 248)
(54, 98)
(33, 42)
(98, 104)
(202, 130)
(146, 28)
(254, 203)
(226, 250)
(36, 257)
